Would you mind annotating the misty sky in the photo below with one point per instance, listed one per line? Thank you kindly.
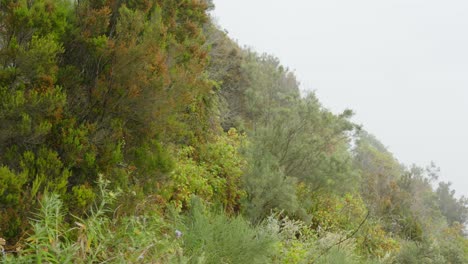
(401, 65)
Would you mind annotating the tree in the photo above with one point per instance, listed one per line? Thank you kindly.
(454, 209)
(31, 106)
(268, 188)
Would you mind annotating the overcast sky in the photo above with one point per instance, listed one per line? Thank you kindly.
(401, 65)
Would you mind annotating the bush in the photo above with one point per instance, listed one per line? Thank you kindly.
(374, 241)
(336, 248)
(415, 253)
(213, 173)
(268, 188)
(211, 237)
(297, 240)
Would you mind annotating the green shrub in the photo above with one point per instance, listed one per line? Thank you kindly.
(414, 253)
(268, 188)
(297, 241)
(336, 256)
(453, 245)
(213, 173)
(336, 248)
(211, 237)
(374, 241)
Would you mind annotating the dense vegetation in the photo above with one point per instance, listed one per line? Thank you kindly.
(137, 131)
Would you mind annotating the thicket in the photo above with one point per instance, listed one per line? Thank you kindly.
(137, 131)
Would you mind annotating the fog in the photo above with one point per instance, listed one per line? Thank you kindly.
(401, 65)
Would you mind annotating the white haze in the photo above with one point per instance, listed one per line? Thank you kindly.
(401, 65)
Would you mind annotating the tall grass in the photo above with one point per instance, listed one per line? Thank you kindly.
(207, 237)
(97, 238)
(49, 243)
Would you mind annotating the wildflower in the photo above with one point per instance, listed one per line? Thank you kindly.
(178, 233)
